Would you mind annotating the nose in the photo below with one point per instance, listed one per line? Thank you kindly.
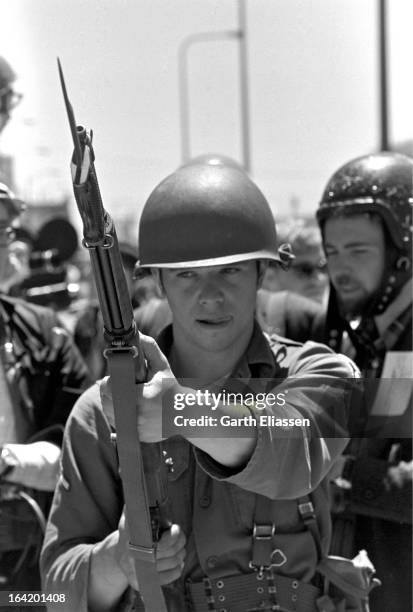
(338, 264)
(210, 293)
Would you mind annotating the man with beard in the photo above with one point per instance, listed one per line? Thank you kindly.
(365, 216)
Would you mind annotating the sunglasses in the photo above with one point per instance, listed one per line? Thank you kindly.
(306, 269)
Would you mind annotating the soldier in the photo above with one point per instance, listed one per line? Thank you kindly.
(41, 376)
(207, 234)
(365, 216)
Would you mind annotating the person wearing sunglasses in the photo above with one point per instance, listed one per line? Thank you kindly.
(307, 275)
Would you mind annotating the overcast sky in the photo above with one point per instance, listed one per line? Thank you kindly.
(313, 87)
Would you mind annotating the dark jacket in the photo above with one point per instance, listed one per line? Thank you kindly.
(215, 506)
(43, 374)
(376, 513)
(44, 365)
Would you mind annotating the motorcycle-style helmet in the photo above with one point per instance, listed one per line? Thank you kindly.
(381, 184)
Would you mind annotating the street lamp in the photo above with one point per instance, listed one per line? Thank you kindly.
(384, 104)
(240, 35)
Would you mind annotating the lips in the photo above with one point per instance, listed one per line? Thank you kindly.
(213, 322)
(346, 285)
(347, 288)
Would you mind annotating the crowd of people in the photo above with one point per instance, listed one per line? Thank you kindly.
(315, 312)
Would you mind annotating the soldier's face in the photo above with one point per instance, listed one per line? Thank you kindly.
(213, 307)
(355, 249)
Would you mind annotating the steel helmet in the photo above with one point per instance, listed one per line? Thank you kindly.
(381, 183)
(214, 159)
(204, 215)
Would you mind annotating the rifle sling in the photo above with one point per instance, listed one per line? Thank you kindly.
(141, 546)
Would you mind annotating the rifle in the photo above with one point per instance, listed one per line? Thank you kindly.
(141, 473)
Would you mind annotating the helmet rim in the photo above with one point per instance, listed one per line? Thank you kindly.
(214, 261)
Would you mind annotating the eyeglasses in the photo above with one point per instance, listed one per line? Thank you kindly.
(307, 269)
(9, 99)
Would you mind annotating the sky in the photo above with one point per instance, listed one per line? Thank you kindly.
(313, 91)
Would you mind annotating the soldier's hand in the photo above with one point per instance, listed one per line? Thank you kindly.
(160, 380)
(170, 554)
(150, 395)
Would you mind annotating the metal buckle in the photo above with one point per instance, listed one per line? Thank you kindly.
(283, 557)
(106, 243)
(262, 532)
(121, 349)
(306, 510)
(143, 553)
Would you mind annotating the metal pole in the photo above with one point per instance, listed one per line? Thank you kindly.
(184, 99)
(183, 80)
(383, 98)
(244, 96)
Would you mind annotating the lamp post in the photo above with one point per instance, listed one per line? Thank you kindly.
(383, 80)
(186, 44)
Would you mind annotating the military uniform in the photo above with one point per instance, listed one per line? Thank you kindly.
(215, 506)
(249, 503)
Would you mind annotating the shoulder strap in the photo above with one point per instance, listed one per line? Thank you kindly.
(141, 546)
(264, 529)
(307, 513)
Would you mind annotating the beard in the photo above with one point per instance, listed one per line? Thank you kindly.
(350, 309)
(352, 305)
